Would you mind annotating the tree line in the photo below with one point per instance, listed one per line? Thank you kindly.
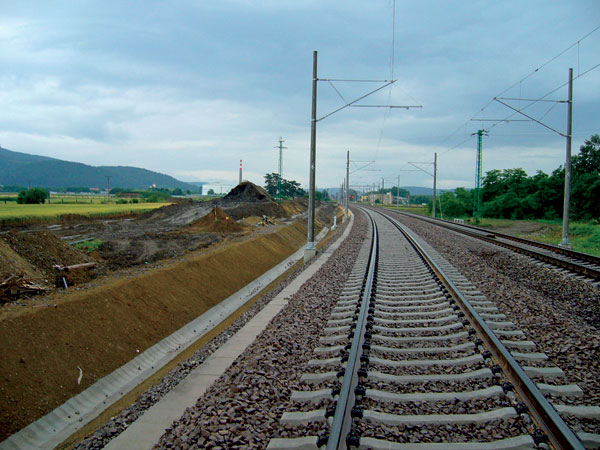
(513, 194)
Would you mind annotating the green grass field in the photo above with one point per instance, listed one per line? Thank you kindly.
(11, 212)
(584, 236)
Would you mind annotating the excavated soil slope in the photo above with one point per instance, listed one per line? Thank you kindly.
(102, 328)
(216, 221)
(34, 254)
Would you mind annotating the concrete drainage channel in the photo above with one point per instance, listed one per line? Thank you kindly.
(56, 426)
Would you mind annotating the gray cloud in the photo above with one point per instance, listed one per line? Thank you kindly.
(191, 88)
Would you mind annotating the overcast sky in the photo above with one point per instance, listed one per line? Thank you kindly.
(190, 88)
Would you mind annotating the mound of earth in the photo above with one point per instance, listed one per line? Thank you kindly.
(217, 221)
(248, 192)
(174, 215)
(242, 210)
(131, 250)
(35, 253)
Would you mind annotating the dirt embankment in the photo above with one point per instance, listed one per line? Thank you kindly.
(102, 328)
(167, 232)
(34, 254)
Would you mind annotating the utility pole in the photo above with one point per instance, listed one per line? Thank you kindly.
(107, 185)
(310, 250)
(567, 192)
(280, 147)
(398, 192)
(567, 200)
(310, 245)
(347, 181)
(478, 175)
(434, 175)
(434, 181)
(240, 182)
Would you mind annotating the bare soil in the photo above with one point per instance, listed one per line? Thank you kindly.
(523, 228)
(154, 273)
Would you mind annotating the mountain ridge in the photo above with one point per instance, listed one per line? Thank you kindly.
(17, 168)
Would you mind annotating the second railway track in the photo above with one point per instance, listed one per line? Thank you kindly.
(580, 264)
(409, 360)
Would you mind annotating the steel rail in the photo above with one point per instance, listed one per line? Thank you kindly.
(544, 414)
(342, 419)
(554, 248)
(490, 236)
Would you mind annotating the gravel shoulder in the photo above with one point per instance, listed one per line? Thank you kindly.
(242, 409)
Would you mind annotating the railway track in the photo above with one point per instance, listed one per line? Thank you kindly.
(582, 264)
(415, 357)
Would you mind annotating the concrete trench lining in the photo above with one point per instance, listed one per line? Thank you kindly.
(56, 426)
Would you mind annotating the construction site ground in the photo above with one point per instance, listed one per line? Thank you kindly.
(151, 275)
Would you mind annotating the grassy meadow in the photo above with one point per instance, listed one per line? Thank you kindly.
(584, 236)
(12, 212)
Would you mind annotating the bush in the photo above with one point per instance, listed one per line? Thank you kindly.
(135, 200)
(33, 196)
(121, 201)
(89, 246)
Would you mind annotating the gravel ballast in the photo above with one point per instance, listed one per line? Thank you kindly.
(557, 311)
(560, 313)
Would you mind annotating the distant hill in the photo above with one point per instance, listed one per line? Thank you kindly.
(33, 170)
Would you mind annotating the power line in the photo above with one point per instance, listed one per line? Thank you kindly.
(576, 43)
(541, 67)
(392, 63)
(533, 102)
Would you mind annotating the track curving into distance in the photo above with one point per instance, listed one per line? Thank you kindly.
(415, 357)
(582, 264)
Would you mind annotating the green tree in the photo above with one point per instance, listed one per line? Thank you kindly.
(271, 181)
(402, 192)
(419, 199)
(211, 192)
(588, 159)
(585, 181)
(289, 188)
(512, 194)
(33, 196)
(453, 204)
(12, 188)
